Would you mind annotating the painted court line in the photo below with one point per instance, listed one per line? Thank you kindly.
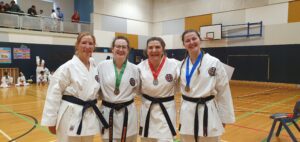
(266, 107)
(24, 118)
(6, 136)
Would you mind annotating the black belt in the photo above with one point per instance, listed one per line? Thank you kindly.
(199, 101)
(160, 102)
(86, 105)
(117, 107)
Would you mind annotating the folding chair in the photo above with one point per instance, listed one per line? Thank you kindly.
(285, 118)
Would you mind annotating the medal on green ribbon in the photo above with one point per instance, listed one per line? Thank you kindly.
(119, 77)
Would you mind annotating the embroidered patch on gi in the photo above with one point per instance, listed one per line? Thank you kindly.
(212, 71)
(141, 131)
(97, 78)
(169, 77)
(132, 82)
(72, 128)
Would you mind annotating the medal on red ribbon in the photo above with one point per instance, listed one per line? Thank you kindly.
(155, 73)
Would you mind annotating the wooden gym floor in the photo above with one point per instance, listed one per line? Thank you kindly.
(21, 110)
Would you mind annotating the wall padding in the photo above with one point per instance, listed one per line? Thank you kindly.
(294, 11)
(196, 22)
(133, 39)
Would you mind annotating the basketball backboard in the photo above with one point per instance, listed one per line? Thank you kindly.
(211, 32)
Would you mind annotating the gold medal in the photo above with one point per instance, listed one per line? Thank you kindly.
(117, 91)
(187, 88)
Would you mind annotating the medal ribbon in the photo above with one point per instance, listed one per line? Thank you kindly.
(119, 76)
(188, 74)
(156, 73)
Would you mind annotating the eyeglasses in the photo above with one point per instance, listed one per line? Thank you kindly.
(121, 47)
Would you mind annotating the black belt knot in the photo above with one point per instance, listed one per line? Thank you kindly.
(160, 102)
(117, 107)
(86, 105)
(200, 101)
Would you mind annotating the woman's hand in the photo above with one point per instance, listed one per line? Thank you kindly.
(52, 129)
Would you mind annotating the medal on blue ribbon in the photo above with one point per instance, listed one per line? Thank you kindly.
(188, 74)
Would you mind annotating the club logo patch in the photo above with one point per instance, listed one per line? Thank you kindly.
(132, 82)
(97, 78)
(212, 71)
(169, 77)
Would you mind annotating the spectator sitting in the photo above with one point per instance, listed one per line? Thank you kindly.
(32, 11)
(2, 9)
(21, 80)
(6, 80)
(60, 14)
(6, 7)
(76, 17)
(14, 7)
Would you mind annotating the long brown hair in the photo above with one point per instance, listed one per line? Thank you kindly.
(186, 53)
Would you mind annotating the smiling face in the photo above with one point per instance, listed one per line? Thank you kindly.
(155, 51)
(85, 46)
(120, 49)
(191, 42)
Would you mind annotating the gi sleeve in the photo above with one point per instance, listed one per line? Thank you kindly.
(59, 82)
(223, 97)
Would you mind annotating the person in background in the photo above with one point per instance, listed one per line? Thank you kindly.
(6, 80)
(54, 17)
(119, 80)
(60, 14)
(32, 11)
(6, 8)
(21, 81)
(42, 78)
(158, 86)
(14, 7)
(2, 7)
(207, 103)
(75, 17)
(70, 110)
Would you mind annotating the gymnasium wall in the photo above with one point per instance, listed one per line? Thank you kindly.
(276, 63)
(138, 10)
(280, 20)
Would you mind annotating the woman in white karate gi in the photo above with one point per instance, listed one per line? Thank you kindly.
(70, 109)
(119, 80)
(158, 86)
(206, 98)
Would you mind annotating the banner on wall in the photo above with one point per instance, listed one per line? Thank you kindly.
(22, 53)
(5, 55)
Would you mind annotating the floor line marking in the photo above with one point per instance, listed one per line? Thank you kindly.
(24, 118)
(266, 107)
(6, 135)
